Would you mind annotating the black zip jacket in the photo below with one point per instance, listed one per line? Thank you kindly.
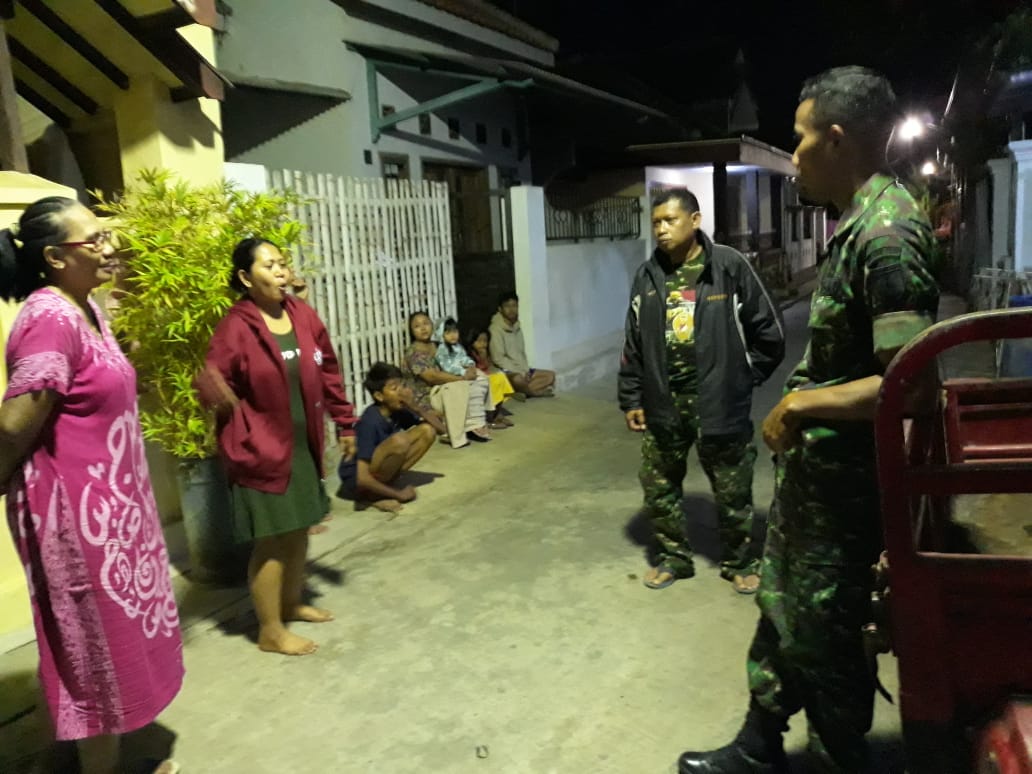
(739, 341)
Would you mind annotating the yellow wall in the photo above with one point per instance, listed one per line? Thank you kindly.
(16, 192)
(154, 131)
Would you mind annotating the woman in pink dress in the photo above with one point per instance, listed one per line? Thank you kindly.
(79, 499)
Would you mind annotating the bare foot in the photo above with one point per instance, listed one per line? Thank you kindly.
(386, 505)
(318, 529)
(287, 643)
(309, 613)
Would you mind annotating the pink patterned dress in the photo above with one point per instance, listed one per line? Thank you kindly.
(86, 527)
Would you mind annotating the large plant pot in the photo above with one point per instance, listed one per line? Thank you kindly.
(215, 557)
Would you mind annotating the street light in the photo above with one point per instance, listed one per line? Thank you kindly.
(929, 168)
(911, 128)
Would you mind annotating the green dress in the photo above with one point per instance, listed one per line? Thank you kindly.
(260, 514)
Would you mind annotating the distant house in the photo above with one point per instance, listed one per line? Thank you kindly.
(438, 89)
(106, 91)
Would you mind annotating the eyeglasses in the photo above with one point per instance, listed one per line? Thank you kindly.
(98, 243)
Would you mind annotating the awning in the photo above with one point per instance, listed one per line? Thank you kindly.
(486, 75)
(744, 151)
(68, 65)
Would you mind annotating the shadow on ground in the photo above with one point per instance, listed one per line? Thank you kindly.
(700, 528)
(886, 756)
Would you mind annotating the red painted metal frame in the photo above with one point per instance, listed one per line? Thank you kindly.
(961, 623)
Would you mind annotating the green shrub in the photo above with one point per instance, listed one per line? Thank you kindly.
(178, 240)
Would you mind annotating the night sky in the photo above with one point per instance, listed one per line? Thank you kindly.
(918, 45)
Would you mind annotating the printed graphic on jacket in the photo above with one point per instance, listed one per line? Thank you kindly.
(680, 325)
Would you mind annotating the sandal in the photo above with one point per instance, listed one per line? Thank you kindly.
(660, 570)
(742, 585)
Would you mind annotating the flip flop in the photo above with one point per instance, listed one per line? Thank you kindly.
(662, 584)
(736, 584)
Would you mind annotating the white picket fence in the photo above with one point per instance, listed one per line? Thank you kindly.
(379, 250)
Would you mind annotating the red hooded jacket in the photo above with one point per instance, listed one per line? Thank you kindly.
(256, 440)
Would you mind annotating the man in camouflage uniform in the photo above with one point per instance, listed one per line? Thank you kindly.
(874, 294)
(701, 333)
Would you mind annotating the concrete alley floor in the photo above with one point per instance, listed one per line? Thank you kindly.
(497, 625)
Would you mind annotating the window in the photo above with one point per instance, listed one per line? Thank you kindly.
(424, 124)
(481, 134)
(395, 167)
(453, 129)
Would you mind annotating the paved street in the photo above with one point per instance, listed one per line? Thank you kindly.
(498, 624)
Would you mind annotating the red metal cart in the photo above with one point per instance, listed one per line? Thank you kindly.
(961, 623)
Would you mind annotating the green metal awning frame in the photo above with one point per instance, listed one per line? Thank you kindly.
(481, 85)
(485, 75)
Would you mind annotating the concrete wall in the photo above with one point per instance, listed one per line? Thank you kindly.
(337, 138)
(573, 296)
(1002, 225)
(1022, 152)
(588, 290)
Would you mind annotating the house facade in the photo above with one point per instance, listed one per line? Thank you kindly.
(320, 86)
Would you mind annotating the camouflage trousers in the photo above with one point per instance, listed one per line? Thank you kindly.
(823, 536)
(728, 463)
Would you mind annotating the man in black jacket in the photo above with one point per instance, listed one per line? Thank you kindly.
(701, 332)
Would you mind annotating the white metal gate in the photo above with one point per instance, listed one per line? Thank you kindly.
(379, 250)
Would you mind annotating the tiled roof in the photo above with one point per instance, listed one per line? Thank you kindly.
(487, 15)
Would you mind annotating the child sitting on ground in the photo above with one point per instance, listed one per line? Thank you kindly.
(453, 359)
(479, 348)
(392, 435)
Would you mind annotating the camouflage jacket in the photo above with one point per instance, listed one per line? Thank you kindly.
(875, 291)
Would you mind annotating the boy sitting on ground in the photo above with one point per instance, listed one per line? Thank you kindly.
(392, 435)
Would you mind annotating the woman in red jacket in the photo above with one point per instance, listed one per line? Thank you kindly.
(271, 374)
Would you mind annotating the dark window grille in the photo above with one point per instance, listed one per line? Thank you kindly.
(614, 217)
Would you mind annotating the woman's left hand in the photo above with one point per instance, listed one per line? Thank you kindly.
(347, 447)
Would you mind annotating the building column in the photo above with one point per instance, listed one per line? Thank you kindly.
(1022, 212)
(1002, 225)
(777, 210)
(720, 214)
(156, 133)
(530, 261)
(752, 208)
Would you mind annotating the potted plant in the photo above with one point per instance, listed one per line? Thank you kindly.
(178, 240)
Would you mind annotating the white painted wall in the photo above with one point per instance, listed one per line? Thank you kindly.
(698, 180)
(573, 296)
(766, 215)
(1002, 225)
(334, 141)
(1022, 152)
(530, 264)
(588, 290)
(248, 177)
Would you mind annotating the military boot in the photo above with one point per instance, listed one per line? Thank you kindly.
(756, 750)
